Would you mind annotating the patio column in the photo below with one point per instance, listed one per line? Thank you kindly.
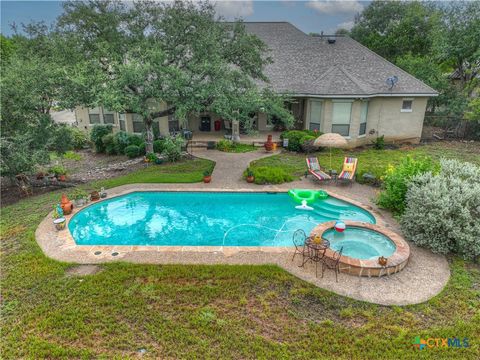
(235, 130)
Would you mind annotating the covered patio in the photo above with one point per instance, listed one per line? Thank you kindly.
(201, 138)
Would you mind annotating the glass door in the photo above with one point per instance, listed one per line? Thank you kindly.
(315, 114)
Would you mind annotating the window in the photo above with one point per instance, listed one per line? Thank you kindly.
(137, 121)
(341, 118)
(315, 115)
(108, 117)
(94, 115)
(363, 118)
(407, 105)
(122, 121)
(173, 123)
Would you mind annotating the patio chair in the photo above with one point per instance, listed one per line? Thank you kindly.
(332, 263)
(315, 169)
(299, 238)
(348, 170)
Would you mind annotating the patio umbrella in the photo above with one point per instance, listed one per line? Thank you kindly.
(331, 140)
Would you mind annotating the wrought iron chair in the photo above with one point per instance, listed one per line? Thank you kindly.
(332, 263)
(299, 238)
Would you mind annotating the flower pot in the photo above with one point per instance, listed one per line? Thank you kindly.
(79, 202)
(94, 196)
(382, 261)
(66, 205)
(250, 179)
(269, 144)
(207, 179)
(59, 223)
(62, 178)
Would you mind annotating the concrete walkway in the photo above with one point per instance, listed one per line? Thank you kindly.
(425, 275)
(229, 167)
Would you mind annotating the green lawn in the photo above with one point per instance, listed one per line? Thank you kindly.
(176, 311)
(239, 148)
(185, 171)
(234, 312)
(370, 160)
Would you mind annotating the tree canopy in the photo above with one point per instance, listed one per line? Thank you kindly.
(136, 58)
(432, 41)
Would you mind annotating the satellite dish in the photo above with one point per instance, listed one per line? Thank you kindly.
(392, 81)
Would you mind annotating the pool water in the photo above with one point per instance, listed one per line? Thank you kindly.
(360, 243)
(204, 219)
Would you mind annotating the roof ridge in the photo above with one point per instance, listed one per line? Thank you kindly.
(364, 87)
(327, 72)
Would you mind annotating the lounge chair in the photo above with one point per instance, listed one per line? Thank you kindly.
(348, 169)
(315, 170)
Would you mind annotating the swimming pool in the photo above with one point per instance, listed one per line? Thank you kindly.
(360, 243)
(204, 219)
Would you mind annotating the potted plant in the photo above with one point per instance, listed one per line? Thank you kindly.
(207, 176)
(94, 195)
(250, 176)
(59, 172)
(79, 196)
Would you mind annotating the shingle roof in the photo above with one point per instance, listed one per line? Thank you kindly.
(305, 64)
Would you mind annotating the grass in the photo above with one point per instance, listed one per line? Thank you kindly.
(185, 171)
(200, 311)
(196, 311)
(228, 146)
(69, 155)
(370, 160)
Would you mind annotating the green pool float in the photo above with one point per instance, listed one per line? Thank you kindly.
(298, 195)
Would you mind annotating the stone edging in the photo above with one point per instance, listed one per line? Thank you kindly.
(46, 234)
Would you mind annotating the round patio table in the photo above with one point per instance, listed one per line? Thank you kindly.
(316, 251)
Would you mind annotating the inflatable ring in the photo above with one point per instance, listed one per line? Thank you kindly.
(308, 195)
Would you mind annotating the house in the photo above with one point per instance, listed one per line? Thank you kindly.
(337, 85)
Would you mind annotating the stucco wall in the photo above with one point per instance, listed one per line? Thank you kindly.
(384, 118)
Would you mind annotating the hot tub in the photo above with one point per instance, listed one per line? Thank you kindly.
(362, 245)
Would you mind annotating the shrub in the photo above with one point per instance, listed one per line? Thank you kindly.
(225, 145)
(62, 139)
(57, 170)
(135, 139)
(443, 210)
(132, 151)
(270, 175)
(109, 144)
(295, 136)
(158, 146)
(121, 140)
(172, 148)
(142, 148)
(396, 181)
(379, 143)
(79, 138)
(96, 135)
(151, 157)
(306, 143)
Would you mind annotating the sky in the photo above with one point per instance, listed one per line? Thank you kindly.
(308, 16)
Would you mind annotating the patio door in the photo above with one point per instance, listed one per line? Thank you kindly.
(315, 114)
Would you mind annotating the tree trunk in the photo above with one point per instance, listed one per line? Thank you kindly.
(148, 134)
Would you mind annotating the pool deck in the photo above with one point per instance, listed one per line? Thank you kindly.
(424, 276)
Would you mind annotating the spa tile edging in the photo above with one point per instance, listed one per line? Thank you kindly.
(369, 267)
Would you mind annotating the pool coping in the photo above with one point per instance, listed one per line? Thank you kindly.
(64, 244)
(369, 267)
